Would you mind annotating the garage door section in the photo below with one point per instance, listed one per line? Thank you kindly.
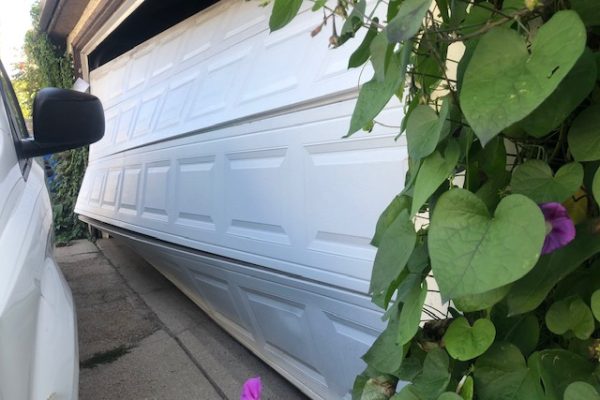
(225, 138)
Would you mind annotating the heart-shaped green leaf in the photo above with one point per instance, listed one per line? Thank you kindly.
(465, 342)
(388, 216)
(534, 179)
(558, 368)
(523, 330)
(472, 252)
(576, 86)
(467, 390)
(596, 186)
(375, 94)
(434, 379)
(407, 21)
(570, 314)
(394, 251)
(528, 293)
(431, 382)
(283, 12)
(410, 316)
(434, 170)
(449, 396)
(588, 10)
(581, 391)
(362, 52)
(481, 301)
(504, 82)
(595, 304)
(501, 373)
(424, 129)
(583, 138)
(386, 355)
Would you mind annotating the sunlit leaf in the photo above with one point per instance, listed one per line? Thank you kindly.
(472, 252)
(504, 82)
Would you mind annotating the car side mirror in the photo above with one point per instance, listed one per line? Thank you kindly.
(62, 120)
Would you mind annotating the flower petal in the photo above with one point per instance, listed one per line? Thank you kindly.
(252, 389)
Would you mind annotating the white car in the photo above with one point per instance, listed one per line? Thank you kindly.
(38, 330)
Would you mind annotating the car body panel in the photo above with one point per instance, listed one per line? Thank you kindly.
(38, 338)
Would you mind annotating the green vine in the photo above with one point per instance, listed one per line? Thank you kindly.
(48, 65)
(500, 208)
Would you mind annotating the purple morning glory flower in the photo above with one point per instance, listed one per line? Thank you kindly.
(251, 389)
(560, 229)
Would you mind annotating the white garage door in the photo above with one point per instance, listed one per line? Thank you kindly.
(224, 138)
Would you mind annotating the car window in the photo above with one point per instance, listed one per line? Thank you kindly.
(14, 109)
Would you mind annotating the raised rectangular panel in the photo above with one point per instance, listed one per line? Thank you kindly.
(195, 192)
(214, 87)
(242, 17)
(112, 186)
(96, 191)
(145, 115)
(174, 103)
(124, 125)
(129, 191)
(110, 127)
(351, 342)
(156, 191)
(284, 327)
(110, 85)
(140, 64)
(218, 293)
(84, 192)
(256, 195)
(198, 38)
(335, 60)
(348, 183)
(165, 54)
(277, 67)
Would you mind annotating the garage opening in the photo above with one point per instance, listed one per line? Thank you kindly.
(148, 20)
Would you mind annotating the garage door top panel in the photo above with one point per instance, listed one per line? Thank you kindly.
(219, 66)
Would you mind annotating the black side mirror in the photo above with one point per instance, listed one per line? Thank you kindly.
(62, 120)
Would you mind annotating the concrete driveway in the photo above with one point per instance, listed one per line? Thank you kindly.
(141, 338)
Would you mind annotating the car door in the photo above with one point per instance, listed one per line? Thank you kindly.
(38, 349)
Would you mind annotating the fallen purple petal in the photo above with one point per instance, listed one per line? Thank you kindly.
(251, 389)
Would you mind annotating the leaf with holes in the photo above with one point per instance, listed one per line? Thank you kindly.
(576, 86)
(504, 81)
